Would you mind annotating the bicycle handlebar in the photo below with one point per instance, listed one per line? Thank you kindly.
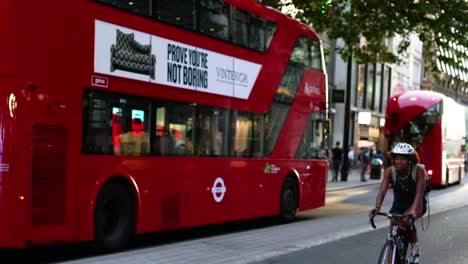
(390, 215)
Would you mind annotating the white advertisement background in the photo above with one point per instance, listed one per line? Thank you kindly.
(218, 61)
(242, 90)
(105, 36)
(160, 50)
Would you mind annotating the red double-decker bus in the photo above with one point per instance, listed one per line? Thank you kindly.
(125, 117)
(435, 125)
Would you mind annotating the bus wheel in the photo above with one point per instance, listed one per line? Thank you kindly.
(289, 200)
(114, 218)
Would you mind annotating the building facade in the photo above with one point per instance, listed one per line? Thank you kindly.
(371, 86)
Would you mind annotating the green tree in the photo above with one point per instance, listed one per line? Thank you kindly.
(438, 23)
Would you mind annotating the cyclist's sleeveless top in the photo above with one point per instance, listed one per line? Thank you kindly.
(404, 191)
(404, 185)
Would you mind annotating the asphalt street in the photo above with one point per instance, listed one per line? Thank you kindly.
(338, 232)
(444, 242)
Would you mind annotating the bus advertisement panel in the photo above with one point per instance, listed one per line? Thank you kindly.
(435, 125)
(132, 117)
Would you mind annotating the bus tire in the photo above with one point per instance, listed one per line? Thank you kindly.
(289, 200)
(114, 218)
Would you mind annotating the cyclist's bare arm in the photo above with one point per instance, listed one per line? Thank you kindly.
(383, 188)
(416, 207)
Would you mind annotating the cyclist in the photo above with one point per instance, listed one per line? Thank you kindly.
(408, 194)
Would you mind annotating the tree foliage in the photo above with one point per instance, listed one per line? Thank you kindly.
(438, 23)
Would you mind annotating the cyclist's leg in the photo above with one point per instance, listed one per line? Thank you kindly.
(414, 254)
(404, 251)
(413, 238)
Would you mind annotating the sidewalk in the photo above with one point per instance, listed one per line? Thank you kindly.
(354, 180)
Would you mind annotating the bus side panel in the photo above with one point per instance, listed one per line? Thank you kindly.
(47, 159)
(8, 33)
(313, 185)
(455, 129)
(430, 152)
(14, 228)
(49, 47)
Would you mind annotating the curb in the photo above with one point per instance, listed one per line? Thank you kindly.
(352, 186)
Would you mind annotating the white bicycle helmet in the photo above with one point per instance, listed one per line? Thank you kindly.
(403, 149)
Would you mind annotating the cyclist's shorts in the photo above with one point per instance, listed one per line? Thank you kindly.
(401, 204)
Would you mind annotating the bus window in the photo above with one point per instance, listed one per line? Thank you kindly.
(257, 135)
(164, 142)
(140, 7)
(273, 123)
(242, 127)
(112, 125)
(240, 27)
(98, 132)
(177, 12)
(136, 139)
(214, 19)
(212, 131)
(315, 55)
(116, 127)
(312, 144)
(174, 125)
(246, 139)
(416, 130)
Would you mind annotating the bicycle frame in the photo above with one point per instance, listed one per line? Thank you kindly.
(396, 240)
(399, 244)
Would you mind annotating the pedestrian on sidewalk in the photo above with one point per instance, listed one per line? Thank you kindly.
(364, 159)
(379, 155)
(337, 159)
(351, 159)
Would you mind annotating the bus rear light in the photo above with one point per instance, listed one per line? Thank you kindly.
(430, 172)
(413, 99)
(12, 104)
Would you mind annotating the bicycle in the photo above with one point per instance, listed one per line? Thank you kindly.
(395, 249)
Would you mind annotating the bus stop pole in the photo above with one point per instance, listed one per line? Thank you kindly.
(344, 166)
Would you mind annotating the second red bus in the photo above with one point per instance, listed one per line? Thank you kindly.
(435, 125)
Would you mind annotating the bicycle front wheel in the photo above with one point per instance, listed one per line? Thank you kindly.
(388, 253)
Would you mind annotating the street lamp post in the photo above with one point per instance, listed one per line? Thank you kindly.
(344, 167)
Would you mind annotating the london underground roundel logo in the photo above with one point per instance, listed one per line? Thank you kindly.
(218, 189)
